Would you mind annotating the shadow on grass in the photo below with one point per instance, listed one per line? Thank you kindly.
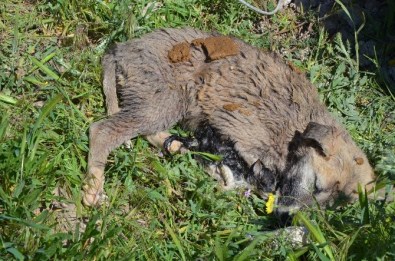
(374, 22)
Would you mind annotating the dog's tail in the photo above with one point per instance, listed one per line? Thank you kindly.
(109, 84)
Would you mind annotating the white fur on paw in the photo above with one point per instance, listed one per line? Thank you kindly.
(128, 144)
(213, 171)
(227, 177)
(223, 174)
(176, 146)
(91, 198)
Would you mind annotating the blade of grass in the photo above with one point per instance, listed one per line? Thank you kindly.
(46, 70)
(46, 110)
(25, 222)
(22, 154)
(6, 198)
(344, 50)
(344, 8)
(34, 136)
(316, 233)
(4, 125)
(43, 61)
(16, 253)
(207, 156)
(356, 32)
(348, 243)
(363, 201)
(298, 253)
(246, 253)
(218, 249)
(7, 99)
(175, 240)
(320, 254)
(18, 189)
(34, 81)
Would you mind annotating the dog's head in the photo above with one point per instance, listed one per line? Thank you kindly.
(323, 163)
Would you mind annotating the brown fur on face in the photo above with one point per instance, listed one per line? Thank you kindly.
(322, 165)
(280, 122)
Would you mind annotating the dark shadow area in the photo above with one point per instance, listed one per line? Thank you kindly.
(374, 20)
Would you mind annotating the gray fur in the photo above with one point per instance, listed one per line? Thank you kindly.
(279, 120)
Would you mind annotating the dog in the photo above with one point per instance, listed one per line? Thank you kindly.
(264, 116)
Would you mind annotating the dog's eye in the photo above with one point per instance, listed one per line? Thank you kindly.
(201, 79)
(317, 189)
(317, 186)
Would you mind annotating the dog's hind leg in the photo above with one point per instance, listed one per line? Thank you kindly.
(110, 133)
(112, 105)
(104, 136)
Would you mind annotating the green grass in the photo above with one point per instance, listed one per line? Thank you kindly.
(164, 208)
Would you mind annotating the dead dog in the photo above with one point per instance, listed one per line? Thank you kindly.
(265, 113)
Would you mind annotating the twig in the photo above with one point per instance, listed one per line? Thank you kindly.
(280, 4)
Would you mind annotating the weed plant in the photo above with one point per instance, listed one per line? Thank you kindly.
(163, 208)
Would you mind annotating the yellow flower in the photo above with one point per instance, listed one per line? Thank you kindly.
(270, 203)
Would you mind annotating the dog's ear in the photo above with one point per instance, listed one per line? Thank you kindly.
(320, 137)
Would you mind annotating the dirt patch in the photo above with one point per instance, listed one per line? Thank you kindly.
(180, 53)
(217, 47)
(231, 106)
(237, 107)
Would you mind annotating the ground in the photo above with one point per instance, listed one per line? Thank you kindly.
(165, 208)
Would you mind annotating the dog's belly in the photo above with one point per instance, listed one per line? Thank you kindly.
(232, 170)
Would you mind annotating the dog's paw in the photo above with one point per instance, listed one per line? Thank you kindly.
(176, 144)
(175, 147)
(128, 144)
(93, 198)
(93, 188)
(223, 174)
(228, 181)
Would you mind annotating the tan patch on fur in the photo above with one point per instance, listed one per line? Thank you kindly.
(180, 53)
(256, 103)
(237, 107)
(231, 106)
(359, 160)
(245, 112)
(217, 47)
